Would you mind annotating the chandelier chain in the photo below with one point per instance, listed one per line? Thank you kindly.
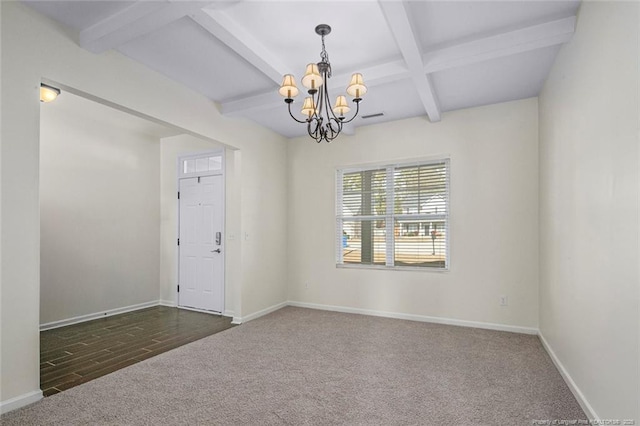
(324, 56)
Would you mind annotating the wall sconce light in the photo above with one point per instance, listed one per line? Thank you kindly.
(48, 93)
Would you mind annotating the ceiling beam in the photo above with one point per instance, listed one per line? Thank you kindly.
(242, 42)
(142, 17)
(459, 54)
(499, 45)
(398, 20)
(374, 76)
(240, 107)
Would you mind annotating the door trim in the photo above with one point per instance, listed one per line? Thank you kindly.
(180, 176)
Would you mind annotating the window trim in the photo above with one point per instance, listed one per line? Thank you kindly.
(389, 215)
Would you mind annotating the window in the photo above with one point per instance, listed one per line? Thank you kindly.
(394, 216)
(203, 164)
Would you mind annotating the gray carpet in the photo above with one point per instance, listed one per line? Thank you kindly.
(301, 366)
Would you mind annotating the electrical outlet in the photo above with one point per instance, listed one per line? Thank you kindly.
(503, 300)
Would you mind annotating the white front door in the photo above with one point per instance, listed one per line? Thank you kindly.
(201, 241)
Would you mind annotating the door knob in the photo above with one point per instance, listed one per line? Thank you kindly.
(215, 251)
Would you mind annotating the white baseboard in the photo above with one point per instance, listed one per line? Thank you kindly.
(203, 311)
(240, 320)
(173, 304)
(29, 398)
(421, 318)
(103, 314)
(575, 390)
(20, 401)
(577, 393)
(111, 312)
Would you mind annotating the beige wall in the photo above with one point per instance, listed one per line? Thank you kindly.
(265, 226)
(33, 47)
(2, 316)
(589, 208)
(99, 216)
(283, 201)
(493, 228)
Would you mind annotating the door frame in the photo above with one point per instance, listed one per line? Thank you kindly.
(182, 175)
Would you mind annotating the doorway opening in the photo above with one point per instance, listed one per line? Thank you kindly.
(107, 237)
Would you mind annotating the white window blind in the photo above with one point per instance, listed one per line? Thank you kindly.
(394, 216)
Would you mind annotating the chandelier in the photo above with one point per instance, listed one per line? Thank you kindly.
(323, 122)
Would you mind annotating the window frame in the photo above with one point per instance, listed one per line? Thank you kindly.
(390, 217)
(201, 155)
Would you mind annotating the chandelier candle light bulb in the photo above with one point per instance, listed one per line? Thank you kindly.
(341, 107)
(288, 88)
(312, 78)
(356, 88)
(323, 122)
(308, 108)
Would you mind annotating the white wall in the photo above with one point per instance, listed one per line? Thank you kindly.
(33, 47)
(99, 209)
(589, 208)
(493, 228)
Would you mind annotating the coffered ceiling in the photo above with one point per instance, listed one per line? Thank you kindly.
(418, 57)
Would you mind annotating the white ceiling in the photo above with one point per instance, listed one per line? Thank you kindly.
(417, 57)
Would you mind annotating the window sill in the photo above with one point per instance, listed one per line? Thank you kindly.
(391, 268)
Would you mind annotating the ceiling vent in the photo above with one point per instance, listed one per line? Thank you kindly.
(379, 114)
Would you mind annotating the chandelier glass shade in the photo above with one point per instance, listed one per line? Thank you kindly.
(324, 123)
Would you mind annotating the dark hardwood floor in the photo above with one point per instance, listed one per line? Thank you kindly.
(78, 353)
